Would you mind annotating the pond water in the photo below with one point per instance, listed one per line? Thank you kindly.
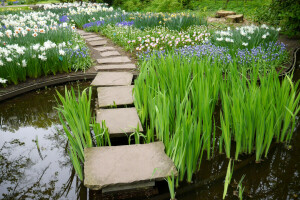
(34, 163)
(29, 172)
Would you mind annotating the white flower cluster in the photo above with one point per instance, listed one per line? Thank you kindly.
(244, 33)
(3, 81)
(13, 52)
(149, 43)
(77, 8)
(40, 19)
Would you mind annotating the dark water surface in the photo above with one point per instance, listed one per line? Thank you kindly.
(26, 171)
(29, 172)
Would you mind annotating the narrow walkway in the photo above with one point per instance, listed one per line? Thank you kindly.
(120, 167)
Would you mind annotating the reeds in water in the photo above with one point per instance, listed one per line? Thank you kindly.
(256, 110)
(75, 115)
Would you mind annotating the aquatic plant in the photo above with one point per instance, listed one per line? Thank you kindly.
(75, 115)
(176, 101)
(228, 178)
(248, 104)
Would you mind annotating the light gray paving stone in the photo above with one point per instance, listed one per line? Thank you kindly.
(112, 79)
(109, 53)
(115, 67)
(94, 39)
(106, 48)
(119, 95)
(109, 166)
(91, 36)
(120, 120)
(114, 60)
(86, 33)
(98, 43)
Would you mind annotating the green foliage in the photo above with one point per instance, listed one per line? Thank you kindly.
(285, 13)
(75, 115)
(228, 178)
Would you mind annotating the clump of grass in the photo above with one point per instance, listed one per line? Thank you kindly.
(75, 115)
(255, 113)
(176, 98)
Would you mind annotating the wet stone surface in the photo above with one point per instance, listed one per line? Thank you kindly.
(112, 79)
(115, 67)
(114, 60)
(110, 53)
(119, 95)
(124, 165)
(120, 120)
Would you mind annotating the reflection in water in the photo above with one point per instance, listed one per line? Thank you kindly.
(28, 172)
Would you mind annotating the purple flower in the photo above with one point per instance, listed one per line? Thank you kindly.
(125, 23)
(64, 18)
(96, 23)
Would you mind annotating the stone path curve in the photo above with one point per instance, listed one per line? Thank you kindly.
(120, 167)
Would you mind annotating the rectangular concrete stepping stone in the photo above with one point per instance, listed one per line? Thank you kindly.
(101, 49)
(117, 166)
(94, 39)
(86, 33)
(112, 79)
(98, 43)
(110, 53)
(119, 95)
(90, 36)
(120, 120)
(115, 67)
(114, 60)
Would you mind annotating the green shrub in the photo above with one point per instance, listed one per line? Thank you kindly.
(285, 13)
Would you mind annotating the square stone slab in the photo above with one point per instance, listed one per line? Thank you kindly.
(101, 49)
(114, 60)
(98, 43)
(110, 53)
(94, 39)
(124, 165)
(112, 79)
(119, 120)
(119, 95)
(115, 67)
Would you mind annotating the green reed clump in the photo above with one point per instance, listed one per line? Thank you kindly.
(254, 113)
(79, 126)
(176, 98)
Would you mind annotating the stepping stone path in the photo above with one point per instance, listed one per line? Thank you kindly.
(97, 43)
(114, 60)
(120, 121)
(115, 67)
(112, 79)
(118, 166)
(110, 53)
(115, 96)
(114, 168)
